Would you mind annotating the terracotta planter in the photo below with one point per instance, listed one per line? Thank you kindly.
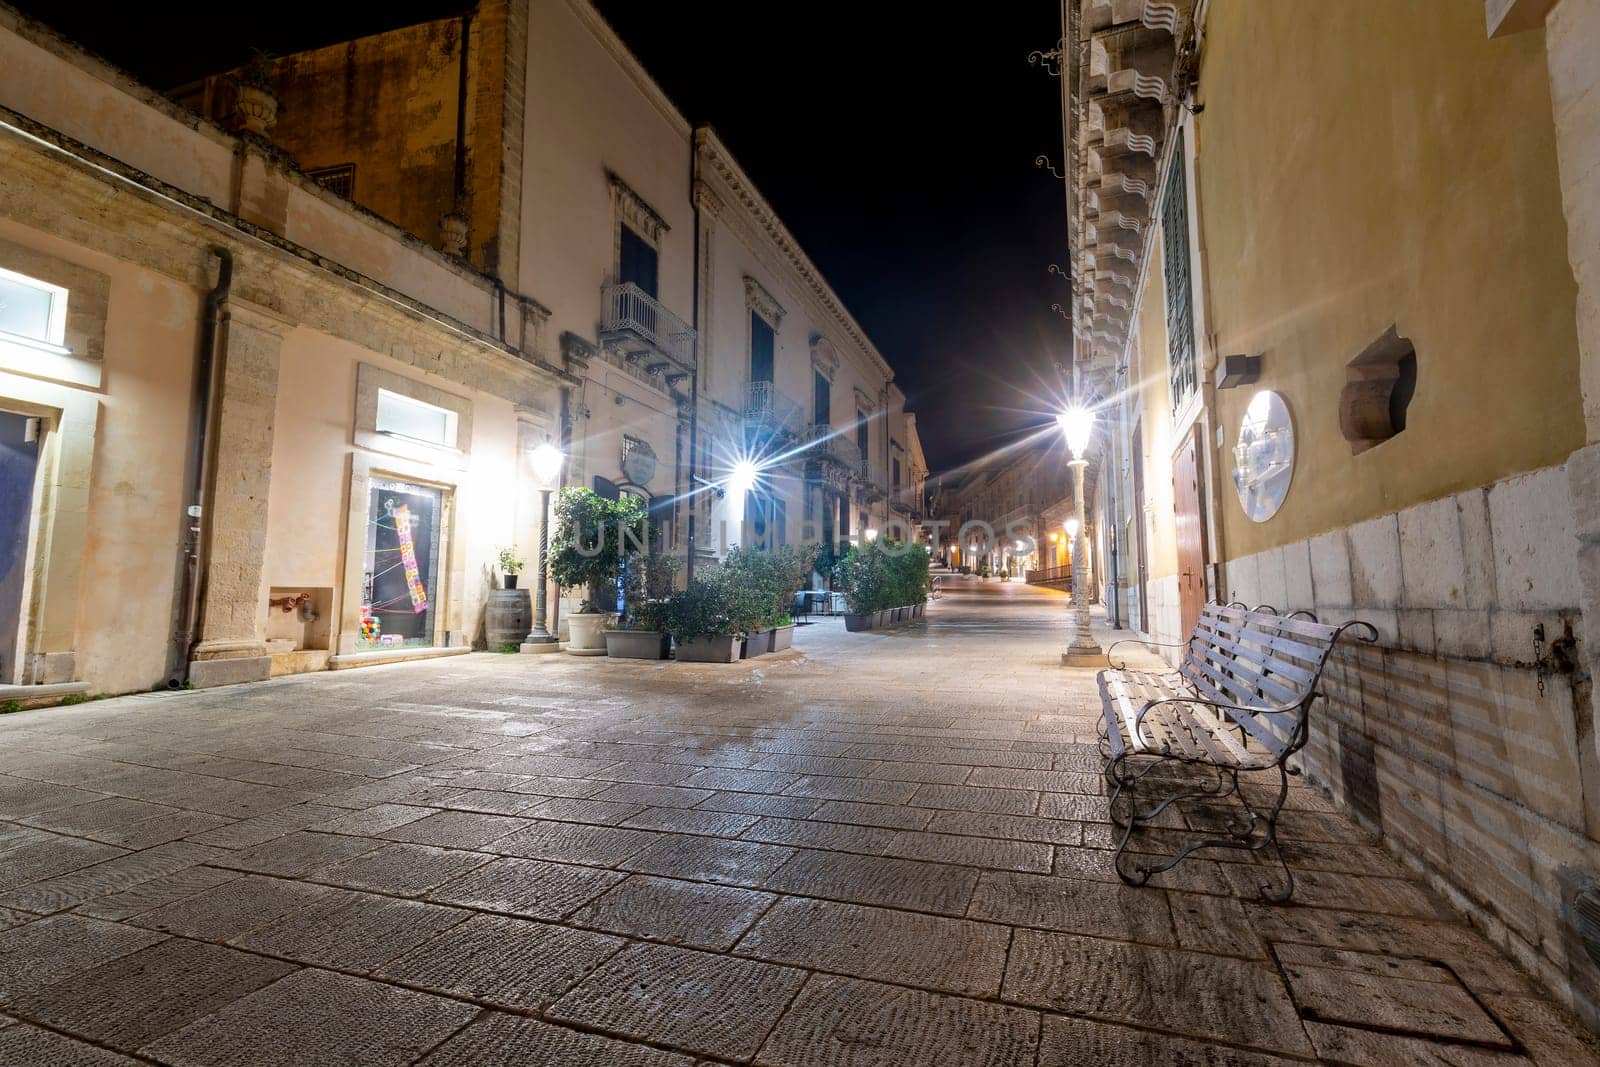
(587, 632)
(782, 637)
(637, 644)
(722, 649)
(855, 622)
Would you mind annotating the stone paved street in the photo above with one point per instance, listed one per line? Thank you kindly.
(882, 848)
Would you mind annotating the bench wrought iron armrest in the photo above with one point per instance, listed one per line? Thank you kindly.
(1147, 644)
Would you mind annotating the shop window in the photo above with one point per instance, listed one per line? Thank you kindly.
(1379, 385)
(406, 416)
(399, 588)
(32, 310)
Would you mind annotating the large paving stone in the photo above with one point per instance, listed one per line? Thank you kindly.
(351, 931)
(402, 870)
(156, 893)
(1009, 827)
(687, 999)
(456, 829)
(1181, 992)
(510, 1041)
(888, 816)
(683, 821)
(599, 846)
(370, 822)
(263, 828)
(761, 804)
(22, 1044)
(678, 912)
(233, 908)
(539, 889)
(710, 859)
(876, 880)
(1104, 909)
(806, 833)
(41, 859)
(316, 1019)
(514, 962)
(47, 950)
(137, 998)
(953, 955)
(973, 851)
(298, 854)
(20, 797)
(1069, 1042)
(742, 781)
(111, 876)
(838, 1022)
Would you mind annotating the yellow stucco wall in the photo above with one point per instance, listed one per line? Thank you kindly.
(1374, 162)
(1150, 371)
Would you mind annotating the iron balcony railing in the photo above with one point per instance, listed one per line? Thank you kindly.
(768, 409)
(639, 322)
(822, 441)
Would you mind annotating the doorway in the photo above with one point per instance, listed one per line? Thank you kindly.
(1141, 559)
(19, 463)
(1190, 532)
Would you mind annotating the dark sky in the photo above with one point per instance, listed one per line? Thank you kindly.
(896, 142)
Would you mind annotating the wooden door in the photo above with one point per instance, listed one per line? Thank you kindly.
(1190, 529)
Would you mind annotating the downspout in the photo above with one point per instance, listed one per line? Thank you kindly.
(196, 468)
(694, 372)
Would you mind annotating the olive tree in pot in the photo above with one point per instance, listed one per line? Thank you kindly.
(646, 584)
(700, 621)
(592, 538)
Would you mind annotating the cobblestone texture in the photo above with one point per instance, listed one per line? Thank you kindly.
(887, 848)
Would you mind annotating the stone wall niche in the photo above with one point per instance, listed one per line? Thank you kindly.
(1379, 384)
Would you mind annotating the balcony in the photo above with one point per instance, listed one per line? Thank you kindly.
(769, 414)
(830, 455)
(636, 324)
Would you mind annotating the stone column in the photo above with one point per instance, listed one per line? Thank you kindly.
(232, 646)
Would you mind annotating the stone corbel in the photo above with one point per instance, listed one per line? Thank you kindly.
(577, 353)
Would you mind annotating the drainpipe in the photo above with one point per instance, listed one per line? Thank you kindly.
(195, 472)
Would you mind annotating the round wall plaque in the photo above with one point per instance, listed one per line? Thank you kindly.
(638, 461)
(1263, 460)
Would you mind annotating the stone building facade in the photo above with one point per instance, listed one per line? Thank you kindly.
(1383, 213)
(272, 386)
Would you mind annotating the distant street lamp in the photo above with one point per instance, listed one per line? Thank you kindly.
(546, 462)
(1077, 426)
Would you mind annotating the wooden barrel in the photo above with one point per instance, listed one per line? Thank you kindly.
(508, 618)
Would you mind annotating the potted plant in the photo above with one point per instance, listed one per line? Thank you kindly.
(747, 576)
(510, 566)
(646, 586)
(790, 570)
(699, 621)
(592, 540)
(860, 575)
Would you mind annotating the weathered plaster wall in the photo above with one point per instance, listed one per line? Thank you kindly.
(1378, 162)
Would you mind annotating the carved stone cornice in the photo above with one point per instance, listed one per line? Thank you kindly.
(577, 352)
(824, 357)
(762, 302)
(632, 209)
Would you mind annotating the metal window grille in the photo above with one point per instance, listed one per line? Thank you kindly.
(340, 180)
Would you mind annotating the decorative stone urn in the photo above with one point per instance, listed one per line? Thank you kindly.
(258, 109)
(453, 233)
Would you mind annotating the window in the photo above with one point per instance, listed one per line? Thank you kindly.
(761, 349)
(1175, 273)
(897, 473)
(31, 310)
(399, 591)
(822, 402)
(340, 180)
(863, 434)
(404, 416)
(638, 262)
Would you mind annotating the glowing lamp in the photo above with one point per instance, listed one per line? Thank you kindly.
(1072, 529)
(743, 478)
(1054, 537)
(1077, 425)
(546, 463)
(871, 533)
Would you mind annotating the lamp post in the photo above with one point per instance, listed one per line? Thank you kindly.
(546, 461)
(1077, 426)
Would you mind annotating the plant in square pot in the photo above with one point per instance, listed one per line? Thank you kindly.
(510, 566)
(646, 586)
(699, 620)
(782, 631)
(859, 574)
(592, 540)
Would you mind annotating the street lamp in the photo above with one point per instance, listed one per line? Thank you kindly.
(546, 461)
(1077, 426)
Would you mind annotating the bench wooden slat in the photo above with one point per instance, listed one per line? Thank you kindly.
(1250, 723)
(1289, 647)
(1277, 664)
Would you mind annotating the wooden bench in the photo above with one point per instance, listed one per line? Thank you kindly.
(1239, 701)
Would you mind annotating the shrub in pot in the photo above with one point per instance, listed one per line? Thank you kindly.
(699, 620)
(646, 584)
(860, 575)
(510, 566)
(592, 540)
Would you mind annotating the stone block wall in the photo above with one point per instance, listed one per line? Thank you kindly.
(1458, 736)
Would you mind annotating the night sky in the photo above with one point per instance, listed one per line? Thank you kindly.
(896, 143)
